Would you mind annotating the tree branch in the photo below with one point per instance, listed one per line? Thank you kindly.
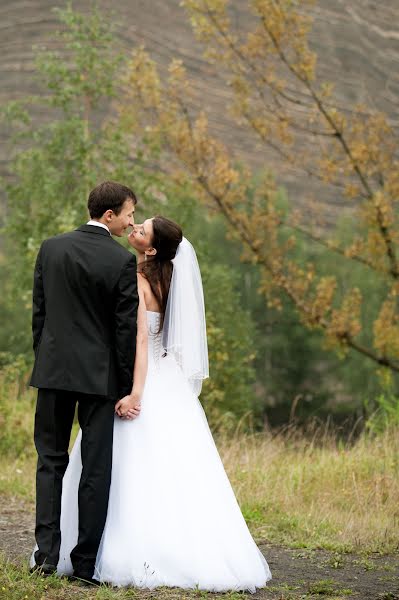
(331, 247)
(394, 269)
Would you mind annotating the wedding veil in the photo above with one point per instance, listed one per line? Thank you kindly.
(184, 329)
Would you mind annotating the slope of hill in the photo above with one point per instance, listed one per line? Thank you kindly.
(357, 44)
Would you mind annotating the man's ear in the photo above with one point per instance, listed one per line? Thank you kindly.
(108, 215)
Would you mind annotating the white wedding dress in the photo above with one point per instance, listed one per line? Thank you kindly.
(173, 519)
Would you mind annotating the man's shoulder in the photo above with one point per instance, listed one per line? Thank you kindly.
(111, 245)
(59, 238)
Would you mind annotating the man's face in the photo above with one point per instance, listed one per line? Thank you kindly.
(119, 223)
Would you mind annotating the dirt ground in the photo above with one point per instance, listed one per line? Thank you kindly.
(297, 573)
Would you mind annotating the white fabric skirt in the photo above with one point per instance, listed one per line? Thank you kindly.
(173, 519)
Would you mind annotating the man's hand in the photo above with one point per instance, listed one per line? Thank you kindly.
(128, 408)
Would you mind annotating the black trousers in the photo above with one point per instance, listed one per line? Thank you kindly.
(53, 423)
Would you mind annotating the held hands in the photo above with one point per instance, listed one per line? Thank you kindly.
(128, 407)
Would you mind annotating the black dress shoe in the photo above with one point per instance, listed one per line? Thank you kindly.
(83, 580)
(44, 570)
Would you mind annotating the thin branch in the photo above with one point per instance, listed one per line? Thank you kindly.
(243, 59)
(394, 270)
(345, 338)
(325, 244)
(300, 306)
(285, 156)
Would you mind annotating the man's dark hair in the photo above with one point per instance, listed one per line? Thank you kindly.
(108, 195)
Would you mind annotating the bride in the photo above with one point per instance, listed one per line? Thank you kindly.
(173, 519)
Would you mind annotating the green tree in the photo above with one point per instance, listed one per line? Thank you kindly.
(56, 165)
(80, 144)
(61, 160)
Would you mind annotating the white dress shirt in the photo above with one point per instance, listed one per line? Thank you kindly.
(98, 224)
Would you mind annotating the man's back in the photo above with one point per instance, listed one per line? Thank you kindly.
(84, 321)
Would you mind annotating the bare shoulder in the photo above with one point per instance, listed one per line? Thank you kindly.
(143, 288)
(146, 293)
(143, 284)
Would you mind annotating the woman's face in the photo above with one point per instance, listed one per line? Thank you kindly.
(141, 236)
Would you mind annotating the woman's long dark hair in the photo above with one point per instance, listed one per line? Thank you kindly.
(158, 269)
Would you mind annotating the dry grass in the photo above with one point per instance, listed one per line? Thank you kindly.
(309, 491)
(317, 492)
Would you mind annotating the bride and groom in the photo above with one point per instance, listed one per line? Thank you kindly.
(126, 343)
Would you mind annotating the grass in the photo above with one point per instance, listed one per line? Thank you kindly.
(327, 588)
(305, 491)
(16, 583)
(316, 492)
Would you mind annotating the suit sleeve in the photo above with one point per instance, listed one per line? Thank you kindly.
(126, 306)
(38, 302)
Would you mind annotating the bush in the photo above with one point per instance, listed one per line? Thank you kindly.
(386, 414)
(17, 403)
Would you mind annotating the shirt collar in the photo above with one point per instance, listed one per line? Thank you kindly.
(98, 224)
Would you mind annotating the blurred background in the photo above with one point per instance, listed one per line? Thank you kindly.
(269, 131)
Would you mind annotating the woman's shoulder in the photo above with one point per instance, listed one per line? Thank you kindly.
(142, 281)
(146, 292)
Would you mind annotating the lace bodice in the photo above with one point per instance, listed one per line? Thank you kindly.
(155, 349)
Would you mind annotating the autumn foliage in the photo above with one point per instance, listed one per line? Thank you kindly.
(277, 95)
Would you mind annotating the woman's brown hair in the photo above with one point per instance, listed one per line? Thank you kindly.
(158, 268)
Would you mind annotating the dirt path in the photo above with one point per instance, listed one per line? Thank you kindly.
(297, 574)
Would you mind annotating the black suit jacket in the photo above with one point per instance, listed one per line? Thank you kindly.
(84, 314)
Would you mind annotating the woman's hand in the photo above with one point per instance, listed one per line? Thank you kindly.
(128, 407)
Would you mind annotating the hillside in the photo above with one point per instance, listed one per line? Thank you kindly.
(357, 44)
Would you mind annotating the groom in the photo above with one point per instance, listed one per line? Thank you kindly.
(84, 336)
